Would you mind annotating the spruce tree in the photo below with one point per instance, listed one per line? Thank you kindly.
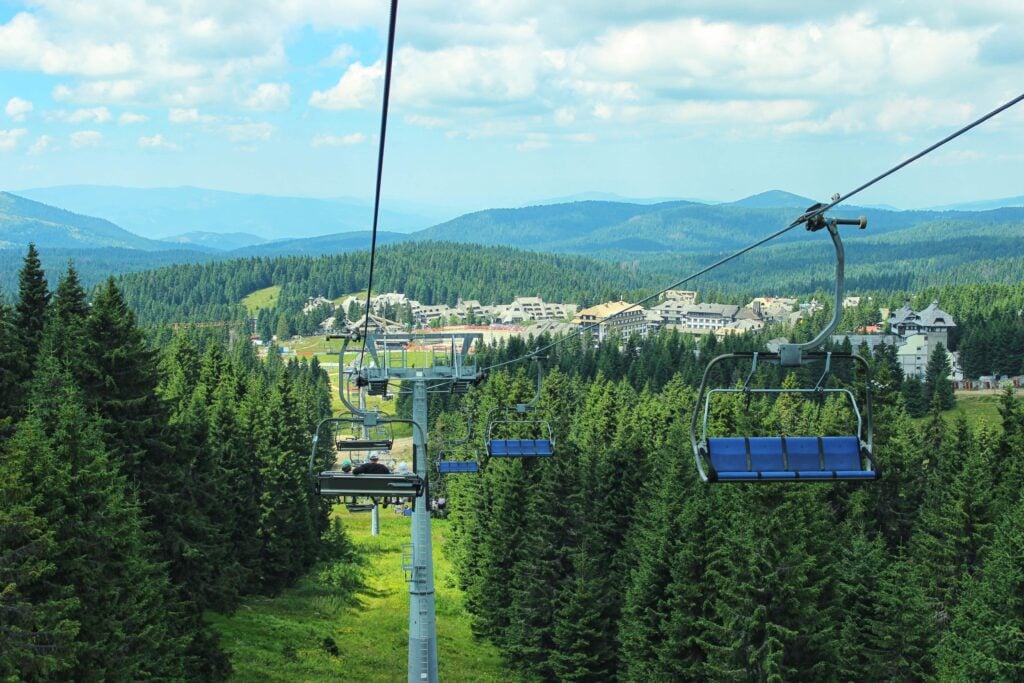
(10, 377)
(119, 377)
(31, 309)
(64, 334)
(37, 624)
(984, 640)
(126, 606)
(936, 379)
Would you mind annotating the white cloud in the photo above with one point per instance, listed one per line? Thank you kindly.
(17, 109)
(108, 91)
(958, 156)
(9, 138)
(324, 140)
(156, 142)
(191, 115)
(340, 56)
(26, 45)
(846, 120)
(42, 144)
(467, 75)
(359, 87)
(750, 112)
(269, 96)
(565, 116)
(127, 118)
(249, 132)
(905, 113)
(426, 121)
(95, 114)
(86, 138)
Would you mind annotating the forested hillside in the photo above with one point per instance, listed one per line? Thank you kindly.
(429, 273)
(23, 221)
(141, 489)
(611, 561)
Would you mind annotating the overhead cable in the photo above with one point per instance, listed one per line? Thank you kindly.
(380, 166)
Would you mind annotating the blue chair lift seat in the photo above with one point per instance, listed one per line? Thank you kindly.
(519, 448)
(457, 466)
(786, 458)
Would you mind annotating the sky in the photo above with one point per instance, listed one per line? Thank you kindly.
(508, 102)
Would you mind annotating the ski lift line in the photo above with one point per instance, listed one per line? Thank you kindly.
(807, 216)
(906, 162)
(380, 163)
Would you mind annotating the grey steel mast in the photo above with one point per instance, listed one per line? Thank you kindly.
(448, 371)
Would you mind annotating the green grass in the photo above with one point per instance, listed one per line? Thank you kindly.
(261, 298)
(978, 408)
(282, 638)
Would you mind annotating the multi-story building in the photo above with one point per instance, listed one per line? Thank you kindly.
(932, 321)
(614, 316)
(524, 308)
(683, 295)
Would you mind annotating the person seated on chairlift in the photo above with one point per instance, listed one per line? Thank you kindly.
(372, 466)
(346, 467)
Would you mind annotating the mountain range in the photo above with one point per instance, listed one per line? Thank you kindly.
(663, 233)
(191, 215)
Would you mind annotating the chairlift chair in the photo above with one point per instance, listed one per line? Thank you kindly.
(504, 422)
(454, 456)
(789, 458)
(326, 480)
(371, 433)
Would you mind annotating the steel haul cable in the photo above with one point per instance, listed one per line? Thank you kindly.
(380, 167)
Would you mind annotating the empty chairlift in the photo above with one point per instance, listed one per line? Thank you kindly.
(455, 457)
(790, 458)
(370, 433)
(513, 433)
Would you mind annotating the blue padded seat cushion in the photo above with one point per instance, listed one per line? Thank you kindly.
(842, 453)
(766, 454)
(455, 466)
(804, 453)
(788, 458)
(519, 448)
(728, 454)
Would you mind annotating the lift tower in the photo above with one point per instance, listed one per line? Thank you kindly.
(447, 369)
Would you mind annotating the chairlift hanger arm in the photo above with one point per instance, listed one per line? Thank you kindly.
(791, 353)
(526, 407)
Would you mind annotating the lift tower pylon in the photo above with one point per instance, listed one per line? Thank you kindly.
(447, 369)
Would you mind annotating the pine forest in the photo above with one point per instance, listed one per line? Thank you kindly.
(150, 478)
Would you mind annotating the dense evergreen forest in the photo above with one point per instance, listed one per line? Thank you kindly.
(146, 480)
(430, 273)
(140, 489)
(611, 561)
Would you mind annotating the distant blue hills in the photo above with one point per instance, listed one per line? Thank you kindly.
(198, 225)
(193, 215)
